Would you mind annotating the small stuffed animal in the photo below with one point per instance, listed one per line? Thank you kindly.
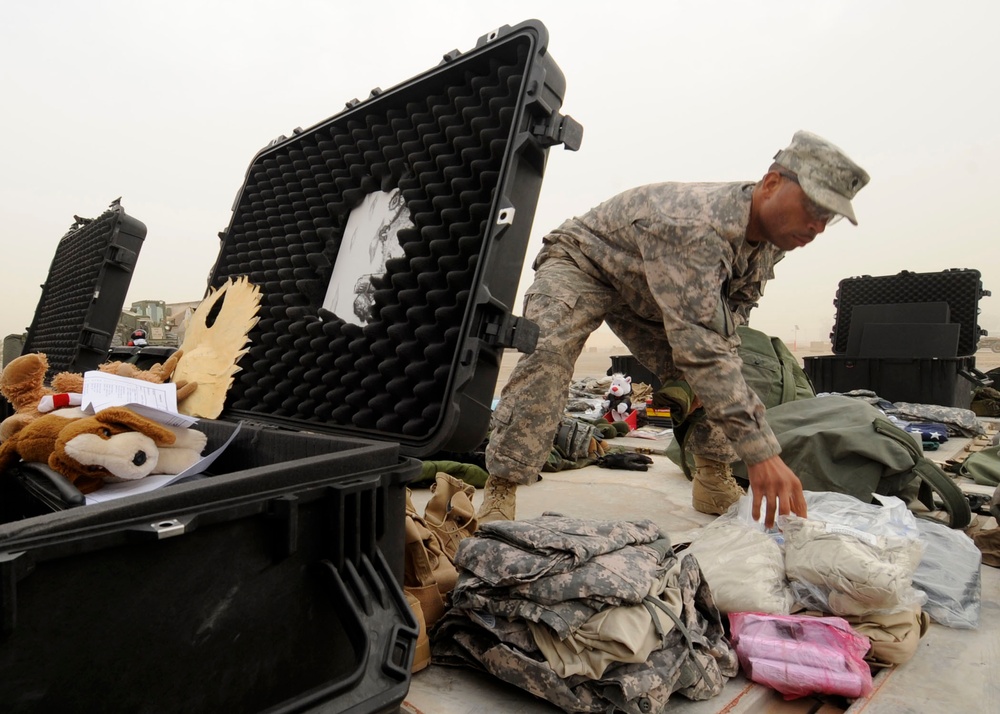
(22, 383)
(616, 401)
(114, 445)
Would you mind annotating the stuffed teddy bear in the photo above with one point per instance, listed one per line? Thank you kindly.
(22, 383)
(617, 402)
(114, 445)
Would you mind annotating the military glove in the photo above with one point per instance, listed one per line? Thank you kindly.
(627, 460)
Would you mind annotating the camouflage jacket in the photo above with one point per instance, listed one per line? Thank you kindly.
(486, 626)
(677, 254)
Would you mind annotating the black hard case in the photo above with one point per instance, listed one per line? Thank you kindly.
(83, 295)
(946, 381)
(274, 583)
(465, 147)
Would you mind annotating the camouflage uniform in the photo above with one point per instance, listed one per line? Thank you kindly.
(667, 266)
(488, 626)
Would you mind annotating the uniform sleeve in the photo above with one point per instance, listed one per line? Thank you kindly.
(686, 268)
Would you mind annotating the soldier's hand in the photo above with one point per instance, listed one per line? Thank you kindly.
(776, 485)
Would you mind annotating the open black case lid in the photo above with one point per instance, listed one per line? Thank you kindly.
(388, 242)
(83, 295)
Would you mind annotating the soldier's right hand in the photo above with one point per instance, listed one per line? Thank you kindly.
(777, 486)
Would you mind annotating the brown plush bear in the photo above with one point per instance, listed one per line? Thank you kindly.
(114, 445)
(22, 383)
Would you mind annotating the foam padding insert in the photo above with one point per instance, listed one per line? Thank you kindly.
(441, 141)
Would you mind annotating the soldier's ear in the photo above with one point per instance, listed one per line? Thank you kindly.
(769, 184)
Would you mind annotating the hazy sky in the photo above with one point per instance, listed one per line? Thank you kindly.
(165, 104)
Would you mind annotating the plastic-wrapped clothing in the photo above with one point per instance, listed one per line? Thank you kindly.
(949, 573)
(800, 655)
(962, 422)
(949, 570)
(857, 572)
(744, 567)
(894, 636)
(491, 627)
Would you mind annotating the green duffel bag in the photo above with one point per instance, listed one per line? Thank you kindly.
(846, 445)
(983, 467)
(770, 369)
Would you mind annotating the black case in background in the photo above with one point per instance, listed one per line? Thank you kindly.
(951, 295)
(83, 295)
(274, 583)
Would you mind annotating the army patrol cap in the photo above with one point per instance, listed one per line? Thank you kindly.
(824, 172)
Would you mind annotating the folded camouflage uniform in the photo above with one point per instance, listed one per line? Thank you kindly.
(559, 573)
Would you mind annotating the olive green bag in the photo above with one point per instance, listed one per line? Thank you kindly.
(770, 370)
(983, 467)
(837, 443)
(846, 445)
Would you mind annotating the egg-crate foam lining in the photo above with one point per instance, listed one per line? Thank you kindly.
(75, 276)
(442, 142)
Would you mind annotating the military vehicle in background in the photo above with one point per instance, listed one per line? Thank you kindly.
(989, 343)
(151, 316)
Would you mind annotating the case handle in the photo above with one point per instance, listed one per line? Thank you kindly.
(977, 377)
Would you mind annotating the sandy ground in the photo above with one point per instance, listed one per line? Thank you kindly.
(595, 362)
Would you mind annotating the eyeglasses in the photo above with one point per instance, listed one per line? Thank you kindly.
(815, 211)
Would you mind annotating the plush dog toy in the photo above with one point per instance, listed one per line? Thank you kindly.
(22, 383)
(114, 445)
(617, 402)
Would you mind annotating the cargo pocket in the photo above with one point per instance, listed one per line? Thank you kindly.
(724, 323)
(503, 415)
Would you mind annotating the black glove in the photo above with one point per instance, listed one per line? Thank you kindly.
(628, 460)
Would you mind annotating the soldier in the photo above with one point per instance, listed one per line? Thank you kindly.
(672, 269)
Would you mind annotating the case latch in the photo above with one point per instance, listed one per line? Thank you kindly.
(562, 129)
(517, 332)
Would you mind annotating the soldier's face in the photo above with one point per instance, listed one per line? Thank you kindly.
(789, 219)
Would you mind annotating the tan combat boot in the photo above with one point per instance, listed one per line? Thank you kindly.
(422, 651)
(498, 501)
(714, 489)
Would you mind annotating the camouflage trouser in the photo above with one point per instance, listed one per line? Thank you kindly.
(568, 305)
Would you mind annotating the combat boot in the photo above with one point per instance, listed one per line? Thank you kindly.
(714, 489)
(498, 501)
(422, 651)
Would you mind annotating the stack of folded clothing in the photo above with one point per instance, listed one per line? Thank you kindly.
(588, 615)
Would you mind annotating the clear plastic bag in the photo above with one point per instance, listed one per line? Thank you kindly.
(847, 571)
(949, 569)
(743, 566)
(950, 574)
(799, 655)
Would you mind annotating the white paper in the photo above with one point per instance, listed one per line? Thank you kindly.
(149, 399)
(102, 390)
(111, 491)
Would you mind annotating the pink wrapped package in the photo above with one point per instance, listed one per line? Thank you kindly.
(799, 655)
